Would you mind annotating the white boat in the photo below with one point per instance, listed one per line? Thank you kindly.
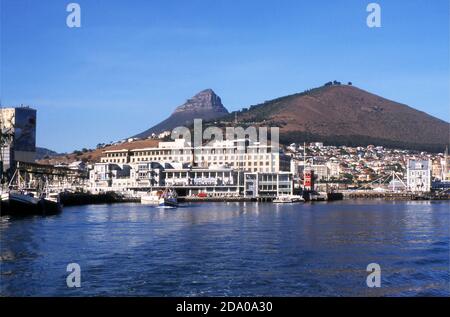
(168, 197)
(288, 199)
(151, 198)
(297, 198)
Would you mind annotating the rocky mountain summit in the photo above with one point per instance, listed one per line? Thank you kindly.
(205, 105)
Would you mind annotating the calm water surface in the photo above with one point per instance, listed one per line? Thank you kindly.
(231, 249)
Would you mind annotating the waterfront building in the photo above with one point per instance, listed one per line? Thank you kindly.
(147, 175)
(187, 180)
(418, 175)
(105, 176)
(253, 157)
(268, 185)
(20, 124)
(221, 181)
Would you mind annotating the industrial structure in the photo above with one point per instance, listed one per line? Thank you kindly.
(18, 136)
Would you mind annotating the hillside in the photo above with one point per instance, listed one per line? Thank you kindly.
(93, 156)
(347, 115)
(43, 152)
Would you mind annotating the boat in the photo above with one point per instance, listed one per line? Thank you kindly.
(168, 197)
(50, 203)
(18, 200)
(151, 198)
(318, 196)
(20, 203)
(288, 199)
(282, 200)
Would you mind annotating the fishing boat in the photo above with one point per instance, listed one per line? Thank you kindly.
(50, 203)
(20, 203)
(19, 200)
(168, 197)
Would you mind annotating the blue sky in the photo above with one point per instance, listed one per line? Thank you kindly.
(132, 62)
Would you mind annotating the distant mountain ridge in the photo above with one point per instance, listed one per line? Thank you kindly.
(43, 152)
(205, 105)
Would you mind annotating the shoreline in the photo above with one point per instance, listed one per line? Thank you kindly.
(114, 198)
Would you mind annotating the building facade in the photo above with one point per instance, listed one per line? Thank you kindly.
(20, 124)
(268, 185)
(235, 154)
(418, 175)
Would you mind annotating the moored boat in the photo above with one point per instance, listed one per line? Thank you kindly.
(288, 199)
(50, 203)
(168, 197)
(151, 198)
(20, 203)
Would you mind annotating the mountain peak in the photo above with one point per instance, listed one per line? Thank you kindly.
(204, 105)
(205, 100)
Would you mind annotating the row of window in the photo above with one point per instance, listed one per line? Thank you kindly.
(181, 152)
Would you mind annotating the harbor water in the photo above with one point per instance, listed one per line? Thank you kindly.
(231, 249)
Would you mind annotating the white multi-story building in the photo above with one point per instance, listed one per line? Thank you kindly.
(108, 176)
(321, 171)
(418, 175)
(211, 181)
(334, 169)
(268, 185)
(236, 154)
(147, 174)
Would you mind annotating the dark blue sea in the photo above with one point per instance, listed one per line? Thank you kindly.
(231, 249)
